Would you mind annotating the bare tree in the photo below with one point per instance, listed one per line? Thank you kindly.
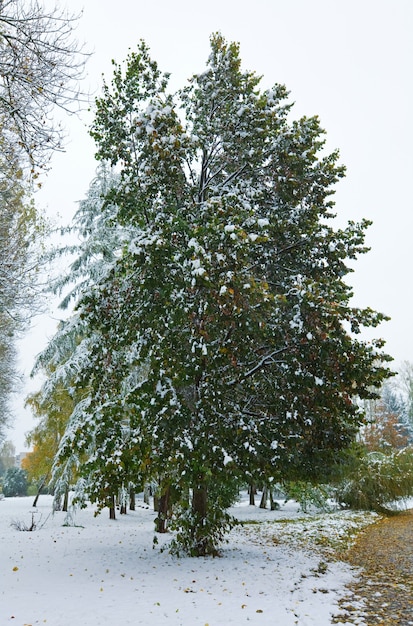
(41, 65)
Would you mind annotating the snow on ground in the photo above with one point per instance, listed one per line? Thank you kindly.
(97, 571)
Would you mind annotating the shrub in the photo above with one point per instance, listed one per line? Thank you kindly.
(308, 495)
(36, 523)
(377, 480)
(195, 539)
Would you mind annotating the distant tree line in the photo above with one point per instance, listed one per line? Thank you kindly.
(40, 68)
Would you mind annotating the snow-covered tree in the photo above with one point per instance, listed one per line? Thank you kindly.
(95, 241)
(21, 230)
(7, 456)
(220, 341)
(403, 389)
(15, 482)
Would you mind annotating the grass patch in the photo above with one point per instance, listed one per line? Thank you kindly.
(329, 534)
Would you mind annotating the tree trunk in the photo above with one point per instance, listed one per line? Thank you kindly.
(273, 504)
(251, 491)
(263, 503)
(112, 510)
(146, 495)
(163, 510)
(201, 541)
(123, 500)
(199, 501)
(41, 485)
(66, 500)
(132, 499)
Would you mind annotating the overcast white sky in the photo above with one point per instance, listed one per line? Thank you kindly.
(348, 62)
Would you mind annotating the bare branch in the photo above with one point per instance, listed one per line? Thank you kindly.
(41, 66)
(263, 362)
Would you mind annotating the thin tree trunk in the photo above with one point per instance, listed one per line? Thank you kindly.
(252, 494)
(112, 510)
(42, 484)
(66, 500)
(263, 503)
(36, 498)
(123, 501)
(273, 504)
(132, 499)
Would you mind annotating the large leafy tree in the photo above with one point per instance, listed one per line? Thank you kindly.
(221, 340)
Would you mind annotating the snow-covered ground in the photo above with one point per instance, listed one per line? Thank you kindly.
(97, 571)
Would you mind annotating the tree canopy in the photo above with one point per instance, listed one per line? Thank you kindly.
(219, 341)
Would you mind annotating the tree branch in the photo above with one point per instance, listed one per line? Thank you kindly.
(263, 362)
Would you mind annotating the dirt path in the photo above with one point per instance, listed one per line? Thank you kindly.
(385, 552)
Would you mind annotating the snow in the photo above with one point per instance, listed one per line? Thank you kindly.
(229, 228)
(100, 571)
